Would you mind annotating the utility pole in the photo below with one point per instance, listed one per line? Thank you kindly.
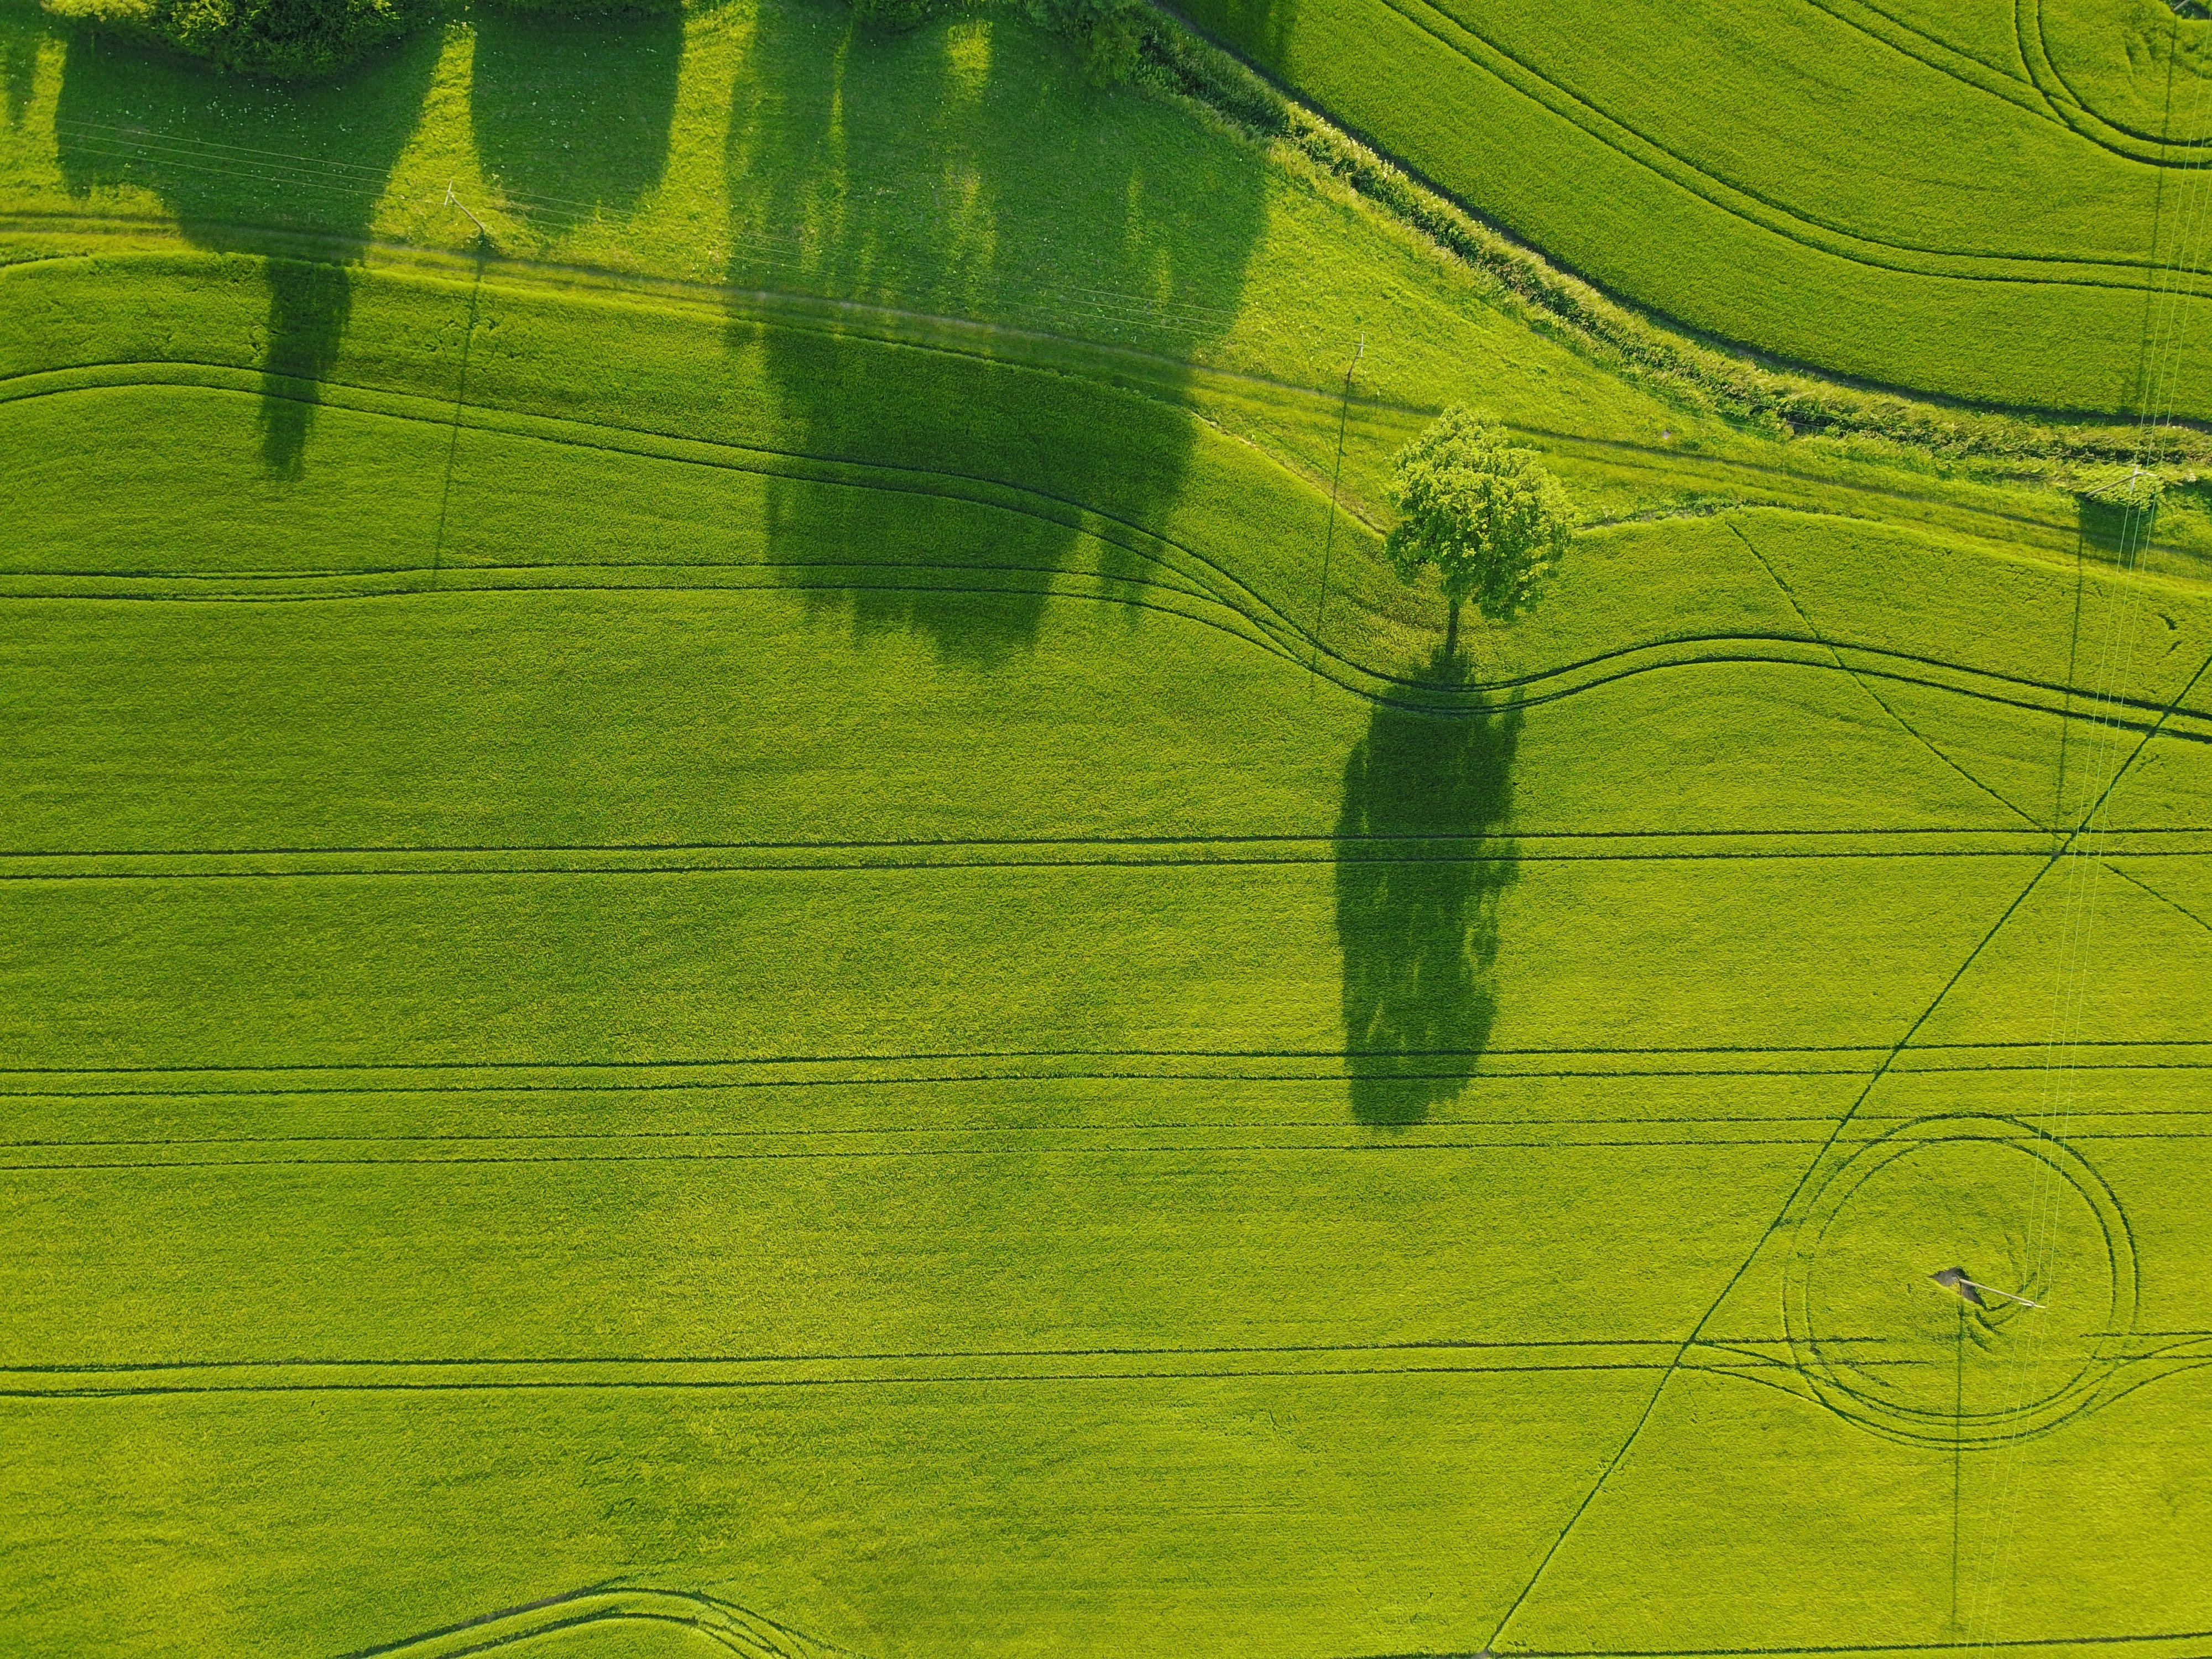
(1328, 541)
(453, 201)
(1954, 1278)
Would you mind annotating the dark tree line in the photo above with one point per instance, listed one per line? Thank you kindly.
(294, 38)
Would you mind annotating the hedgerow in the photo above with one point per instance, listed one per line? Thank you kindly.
(280, 38)
(291, 39)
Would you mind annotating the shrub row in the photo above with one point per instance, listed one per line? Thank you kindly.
(285, 38)
(289, 40)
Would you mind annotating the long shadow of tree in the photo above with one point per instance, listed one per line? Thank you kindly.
(572, 114)
(1417, 896)
(2118, 529)
(249, 167)
(967, 170)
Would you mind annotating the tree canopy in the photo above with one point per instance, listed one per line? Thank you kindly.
(276, 38)
(1486, 514)
(286, 39)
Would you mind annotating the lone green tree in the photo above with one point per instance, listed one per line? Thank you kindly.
(1486, 514)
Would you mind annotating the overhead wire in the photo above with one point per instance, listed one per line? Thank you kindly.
(2080, 855)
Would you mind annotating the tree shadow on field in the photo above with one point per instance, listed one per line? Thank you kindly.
(291, 172)
(572, 114)
(967, 171)
(1418, 897)
(2116, 530)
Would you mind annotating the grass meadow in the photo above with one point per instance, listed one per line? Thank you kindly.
(1879, 191)
(752, 924)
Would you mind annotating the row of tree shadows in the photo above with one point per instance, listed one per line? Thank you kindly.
(573, 115)
(573, 118)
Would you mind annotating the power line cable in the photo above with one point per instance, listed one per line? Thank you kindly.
(1328, 541)
(2165, 337)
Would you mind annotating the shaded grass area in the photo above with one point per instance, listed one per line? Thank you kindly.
(571, 115)
(1419, 932)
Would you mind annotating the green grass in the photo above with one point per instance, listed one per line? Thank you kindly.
(1945, 200)
(737, 937)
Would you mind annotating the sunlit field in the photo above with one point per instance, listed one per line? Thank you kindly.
(745, 918)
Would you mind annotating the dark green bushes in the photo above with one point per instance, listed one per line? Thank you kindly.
(287, 40)
(900, 14)
(580, 8)
(280, 37)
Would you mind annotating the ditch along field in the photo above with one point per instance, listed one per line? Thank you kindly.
(1880, 189)
(749, 921)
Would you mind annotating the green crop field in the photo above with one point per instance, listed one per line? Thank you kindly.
(749, 920)
(1881, 189)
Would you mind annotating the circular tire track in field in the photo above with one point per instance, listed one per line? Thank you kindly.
(2135, 134)
(1954, 1191)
